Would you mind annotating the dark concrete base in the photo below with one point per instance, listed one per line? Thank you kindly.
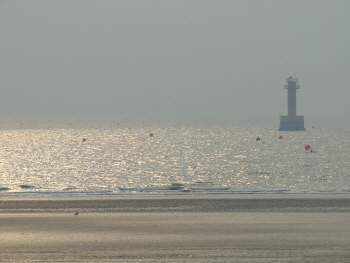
(291, 123)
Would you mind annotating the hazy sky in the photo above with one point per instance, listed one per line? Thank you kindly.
(173, 57)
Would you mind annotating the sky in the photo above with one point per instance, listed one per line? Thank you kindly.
(181, 58)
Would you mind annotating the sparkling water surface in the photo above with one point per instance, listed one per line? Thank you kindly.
(185, 156)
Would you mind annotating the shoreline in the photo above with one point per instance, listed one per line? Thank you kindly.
(218, 204)
(82, 196)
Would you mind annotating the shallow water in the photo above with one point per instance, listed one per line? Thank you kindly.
(185, 156)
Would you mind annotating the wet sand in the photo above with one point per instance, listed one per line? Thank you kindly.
(175, 230)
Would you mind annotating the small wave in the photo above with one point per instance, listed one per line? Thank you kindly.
(4, 188)
(308, 165)
(260, 173)
(70, 189)
(204, 183)
(176, 186)
(26, 186)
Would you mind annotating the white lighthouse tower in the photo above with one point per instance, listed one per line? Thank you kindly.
(292, 122)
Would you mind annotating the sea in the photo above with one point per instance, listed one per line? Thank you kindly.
(158, 156)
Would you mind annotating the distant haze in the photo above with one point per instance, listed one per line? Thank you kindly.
(224, 58)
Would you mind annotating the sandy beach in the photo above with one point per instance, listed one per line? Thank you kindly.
(175, 230)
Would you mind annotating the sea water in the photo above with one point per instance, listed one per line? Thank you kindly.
(187, 156)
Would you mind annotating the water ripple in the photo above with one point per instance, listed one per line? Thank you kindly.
(180, 158)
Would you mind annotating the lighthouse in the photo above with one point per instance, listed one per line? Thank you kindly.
(292, 122)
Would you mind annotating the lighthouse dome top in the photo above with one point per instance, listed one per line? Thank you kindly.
(292, 83)
(292, 79)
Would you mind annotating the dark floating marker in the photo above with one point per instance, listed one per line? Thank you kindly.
(307, 147)
(257, 139)
(84, 140)
(76, 213)
(151, 135)
(281, 137)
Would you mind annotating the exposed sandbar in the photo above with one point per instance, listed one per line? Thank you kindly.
(175, 237)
